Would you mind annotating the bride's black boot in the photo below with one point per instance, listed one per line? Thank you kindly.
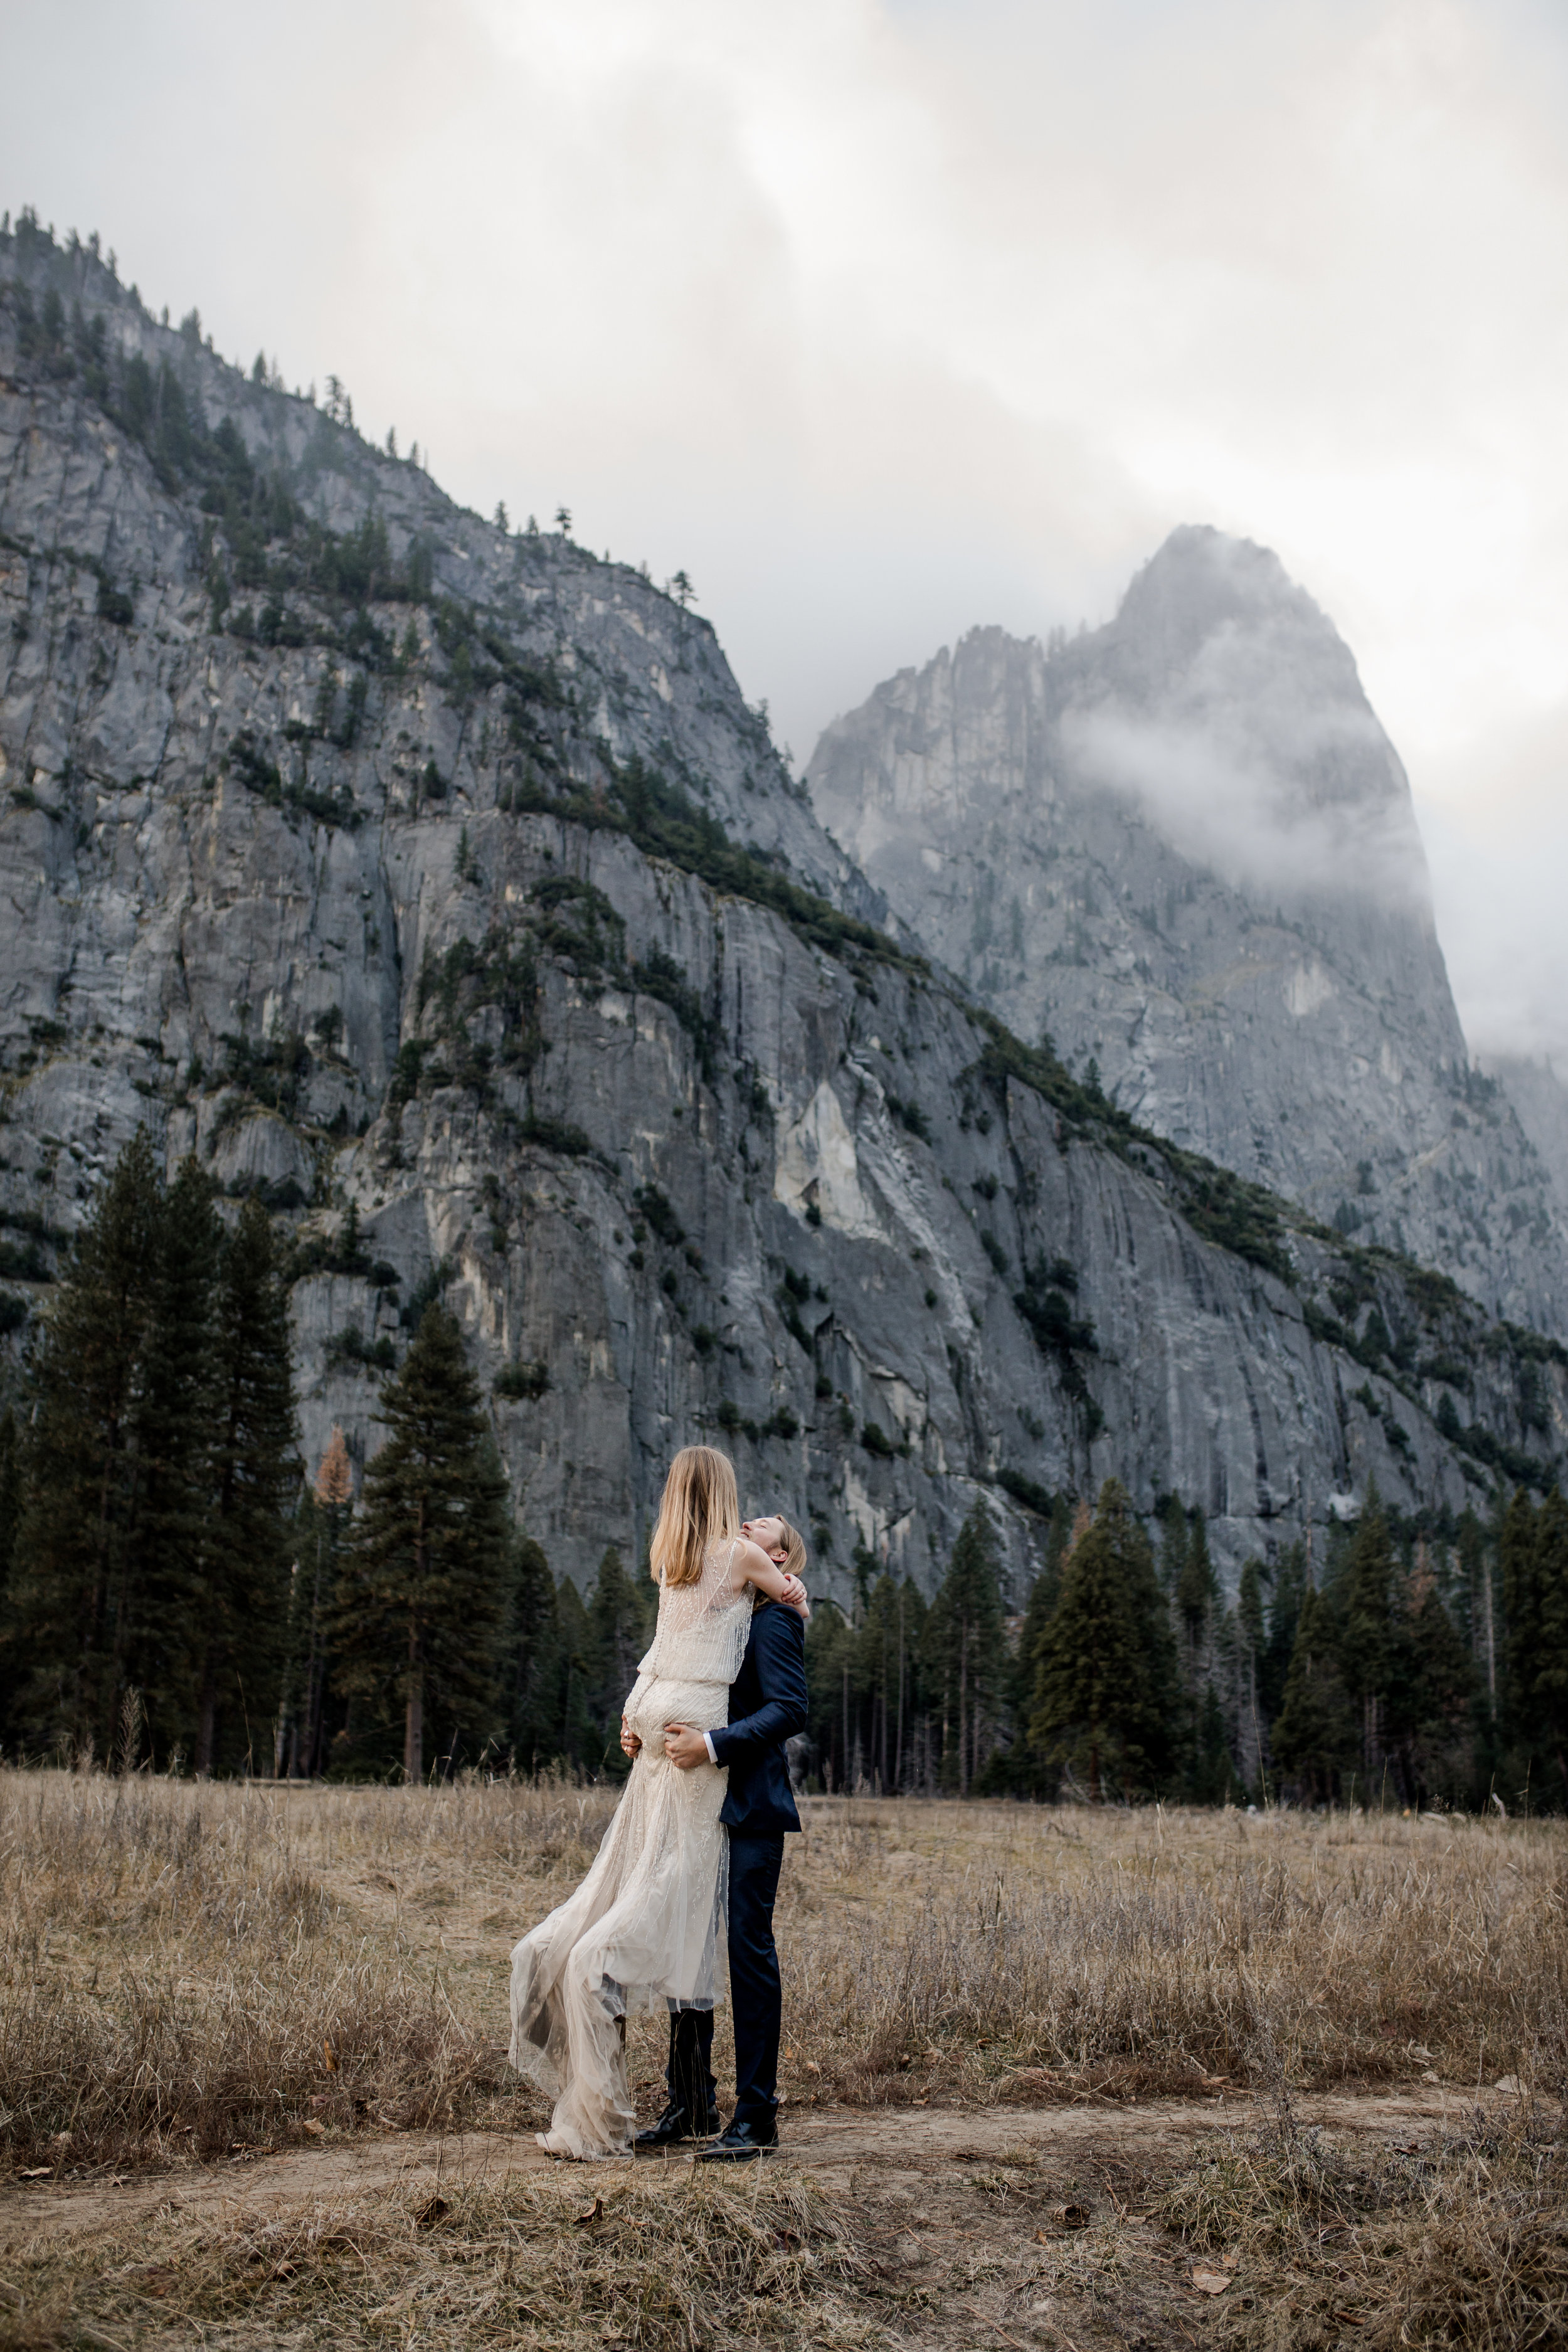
(678, 2124)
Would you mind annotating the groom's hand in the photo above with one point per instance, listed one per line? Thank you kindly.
(684, 1746)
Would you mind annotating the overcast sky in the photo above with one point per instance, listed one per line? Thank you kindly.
(884, 317)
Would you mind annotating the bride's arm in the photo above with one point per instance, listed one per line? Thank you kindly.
(752, 1566)
(631, 1743)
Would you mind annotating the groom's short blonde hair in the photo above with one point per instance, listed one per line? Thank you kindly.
(795, 1555)
(701, 1507)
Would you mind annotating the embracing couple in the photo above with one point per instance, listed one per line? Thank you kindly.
(692, 1857)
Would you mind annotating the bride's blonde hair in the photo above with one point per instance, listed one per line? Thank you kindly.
(701, 1507)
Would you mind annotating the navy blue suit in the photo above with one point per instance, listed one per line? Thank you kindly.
(767, 1707)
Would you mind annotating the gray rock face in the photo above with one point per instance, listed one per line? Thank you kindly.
(1183, 845)
(355, 906)
(1540, 1102)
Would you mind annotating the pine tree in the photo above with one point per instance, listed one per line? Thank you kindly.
(1211, 1774)
(333, 1497)
(1103, 1696)
(1194, 1600)
(832, 1718)
(1519, 1637)
(964, 1648)
(319, 1526)
(150, 1539)
(880, 1679)
(1249, 1642)
(76, 1559)
(256, 1477)
(1196, 1590)
(1314, 1736)
(165, 1613)
(1016, 1770)
(1475, 1599)
(533, 1672)
(619, 1624)
(1284, 1614)
(577, 1736)
(1365, 1595)
(420, 1619)
(1551, 1686)
(10, 1498)
(1434, 1687)
(1532, 1643)
(1173, 1544)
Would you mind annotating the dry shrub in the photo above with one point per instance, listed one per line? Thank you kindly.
(173, 1981)
(1466, 2244)
(1153, 1959)
(661, 2260)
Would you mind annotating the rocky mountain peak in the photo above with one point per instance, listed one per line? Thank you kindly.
(1199, 582)
(1183, 847)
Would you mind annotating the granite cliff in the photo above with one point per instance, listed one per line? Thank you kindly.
(434, 881)
(1184, 848)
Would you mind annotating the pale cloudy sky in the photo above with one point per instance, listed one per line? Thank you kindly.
(887, 317)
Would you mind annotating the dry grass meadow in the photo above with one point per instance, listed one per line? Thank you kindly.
(196, 1976)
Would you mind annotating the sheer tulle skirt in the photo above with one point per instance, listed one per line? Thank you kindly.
(644, 1930)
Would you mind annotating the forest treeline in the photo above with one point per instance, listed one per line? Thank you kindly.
(1408, 1663)
(177, 1586)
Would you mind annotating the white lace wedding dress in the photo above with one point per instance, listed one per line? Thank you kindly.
(644, 1929)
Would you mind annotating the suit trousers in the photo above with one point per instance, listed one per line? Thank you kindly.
(756, 1996)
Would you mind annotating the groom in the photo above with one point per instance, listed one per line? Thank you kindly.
(767, 1707)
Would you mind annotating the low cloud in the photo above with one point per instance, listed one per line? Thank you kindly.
(1254, 813)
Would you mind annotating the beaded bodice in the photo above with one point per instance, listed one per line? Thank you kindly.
(700, 1636)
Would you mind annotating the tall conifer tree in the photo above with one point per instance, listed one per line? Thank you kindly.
(1434, 1687)
(534, 1675)
(1519, 1638)
(73, 1603)
(421, 1612)
(1551, 1690)
(1314, 1736)
(620, 1623)
(1103, 1693)
(322, 1522)
(164, 1613)
(10, 1498)
(964, 1648)
(255, 1479)
(1364, 1591)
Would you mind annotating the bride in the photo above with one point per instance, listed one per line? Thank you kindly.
(640, 1931)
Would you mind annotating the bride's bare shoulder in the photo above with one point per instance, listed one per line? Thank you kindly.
(747, 1561)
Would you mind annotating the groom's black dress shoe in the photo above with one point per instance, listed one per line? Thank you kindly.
(740, 2143)
(678, 2124)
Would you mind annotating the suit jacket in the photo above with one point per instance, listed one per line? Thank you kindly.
(767, 1707)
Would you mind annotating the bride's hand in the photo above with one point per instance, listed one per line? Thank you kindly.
(794, 1596)
(630, 1744)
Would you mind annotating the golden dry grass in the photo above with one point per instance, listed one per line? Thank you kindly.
(1147, 1951)
(184, 1968)
(660, 2264)
(1463, 2242)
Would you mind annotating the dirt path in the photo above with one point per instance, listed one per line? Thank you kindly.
(863, 2150)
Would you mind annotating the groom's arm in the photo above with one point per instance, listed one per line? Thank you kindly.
(778, 1653)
